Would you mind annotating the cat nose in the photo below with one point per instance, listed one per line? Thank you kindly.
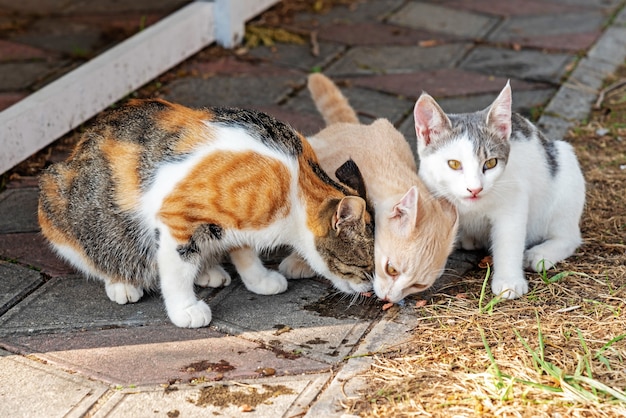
(476, 191)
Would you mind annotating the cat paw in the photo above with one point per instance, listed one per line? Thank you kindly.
(193, 316)
(123, 293)
(536, 262)
(509, 288)
(213, 277)
(270, 283)
(294, 267)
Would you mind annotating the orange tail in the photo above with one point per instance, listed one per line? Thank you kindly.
(330, 102)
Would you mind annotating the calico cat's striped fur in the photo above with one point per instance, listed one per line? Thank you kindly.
(155, 193)
(415, 232)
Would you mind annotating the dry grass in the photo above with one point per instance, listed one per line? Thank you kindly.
(558, 352)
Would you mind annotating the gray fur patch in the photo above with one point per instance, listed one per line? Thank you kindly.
(273, 133)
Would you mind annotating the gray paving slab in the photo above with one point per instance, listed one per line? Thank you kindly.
(524, 64)
(18, 210)
(357, 12)
(437, 18)
(297, 56)
(30, 389)
(364, 60)
(518, 27)
(16, 282)
(20, 75)
(30, 249)
(305, 319)
(76, 303)
(71, 37)
(81, 7)
(273, 397)
(231, 91)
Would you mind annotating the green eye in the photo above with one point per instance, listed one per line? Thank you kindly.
(490, 163)
(454, 164)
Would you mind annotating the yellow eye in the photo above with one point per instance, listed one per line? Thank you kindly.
(490, 163)
(391, 270)
(454, 164)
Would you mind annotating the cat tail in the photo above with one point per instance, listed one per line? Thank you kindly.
(330, 102)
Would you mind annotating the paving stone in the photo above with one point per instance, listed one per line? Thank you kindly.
(34, 6)
(611, 48)
(377, 34)
(519, 28)
(231, 91)
(70, 37)
(571, 103)
(31, 249)
(575, 43)
(396, 59)
(291, 399)
(554, 127)
(10, 51)
(320, 327)
(376, 10)
(21, 75)
(18, 211)
(295, 56)
(158, 354)
(77, 303)
(307, 123)
(524, 102)
(437, 18)
(524, 64)
(600, 4)
(512, 7)
(441, 83)
(125, 6)
(15, 283)
(33, 389)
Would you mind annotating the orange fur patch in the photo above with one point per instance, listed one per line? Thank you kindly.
(123, 158)
(190, 124)
(235, 190)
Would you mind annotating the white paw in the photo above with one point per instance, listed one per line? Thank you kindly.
(215, 276)
(294, 267)
(270, 283)
(193, 316)
(123, 293)
(536, 262)
(509, 287)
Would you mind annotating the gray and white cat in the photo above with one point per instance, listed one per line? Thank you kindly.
(517, 192)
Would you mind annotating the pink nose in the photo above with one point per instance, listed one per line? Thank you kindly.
(475, 192)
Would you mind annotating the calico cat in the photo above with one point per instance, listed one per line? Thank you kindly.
(517, 192)
(155, 193)
(414, 232)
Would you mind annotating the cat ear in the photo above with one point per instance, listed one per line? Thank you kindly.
(499, 115)
(350, 210)
(430, 120)
(350, 175)
(406, 209)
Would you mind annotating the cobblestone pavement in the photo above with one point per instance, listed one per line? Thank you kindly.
(66, 350)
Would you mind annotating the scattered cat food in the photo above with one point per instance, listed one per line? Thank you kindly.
(461, 295)
(420, 303)
(486, 262)
(386, 306)
(266, 371)
(246, 408)
(367, 294)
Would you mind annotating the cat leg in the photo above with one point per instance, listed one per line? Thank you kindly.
(295, 267)
(177, 273)
(508, 235)
(122, 292)
(545, 255)
(254, 275)
(213, 276)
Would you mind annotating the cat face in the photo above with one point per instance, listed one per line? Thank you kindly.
(413, 240)
(348, 246)
(462, 156)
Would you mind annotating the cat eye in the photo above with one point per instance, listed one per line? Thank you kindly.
(391, 270)
(454, 164)
(490, 163)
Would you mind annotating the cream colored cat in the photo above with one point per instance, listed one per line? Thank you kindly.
(414, 232)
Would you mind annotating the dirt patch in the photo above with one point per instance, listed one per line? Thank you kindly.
(340, 306)
(223, 396)
(207, 366)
